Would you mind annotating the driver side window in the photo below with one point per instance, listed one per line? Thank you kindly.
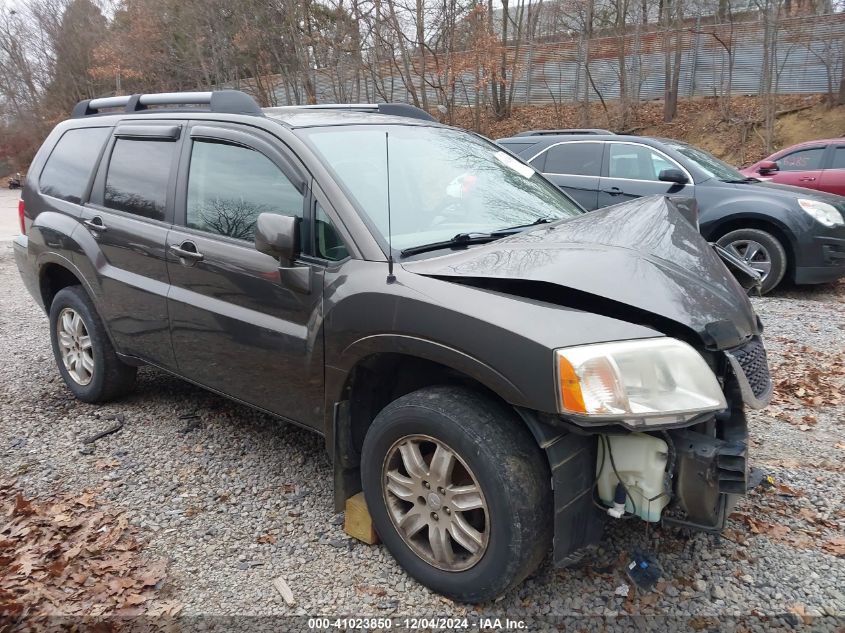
(230, 185)
(802, 160)
(636, 162)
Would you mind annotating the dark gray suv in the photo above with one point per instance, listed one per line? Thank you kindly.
(780, 231)
(498, 371)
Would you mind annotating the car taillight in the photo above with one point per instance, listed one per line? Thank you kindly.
(21, 217)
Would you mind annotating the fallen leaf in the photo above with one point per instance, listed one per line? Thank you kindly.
(835, 546)
(22, 506)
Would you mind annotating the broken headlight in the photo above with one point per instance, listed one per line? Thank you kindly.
(642, 382)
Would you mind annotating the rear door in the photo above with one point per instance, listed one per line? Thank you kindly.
(832, 177)
(801, 168)
(575, 167)
(240, 324)
(129, 215)
(631, 171)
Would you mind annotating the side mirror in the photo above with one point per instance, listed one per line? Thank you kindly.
(277, 236)
(673, 175)
(767, 167)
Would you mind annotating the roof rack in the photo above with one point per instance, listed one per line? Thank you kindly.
(393, 109)
(564, 131)
(225, 101)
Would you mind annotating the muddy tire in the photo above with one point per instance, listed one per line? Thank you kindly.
(459, 492)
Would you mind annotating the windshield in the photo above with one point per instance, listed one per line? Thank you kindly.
(443, 182)
(714, 167)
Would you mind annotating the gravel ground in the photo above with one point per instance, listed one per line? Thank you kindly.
(205, 490)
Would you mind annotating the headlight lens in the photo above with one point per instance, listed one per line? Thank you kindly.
(825, 213)
(649, 381)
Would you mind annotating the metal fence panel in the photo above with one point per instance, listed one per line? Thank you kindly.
(808, 53)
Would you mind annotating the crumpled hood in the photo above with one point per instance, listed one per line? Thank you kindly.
(642, 254)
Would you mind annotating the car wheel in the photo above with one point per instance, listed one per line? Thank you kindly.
(85, 356)
(760, 250)
(458, 491)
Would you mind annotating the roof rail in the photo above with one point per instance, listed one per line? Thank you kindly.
(564, 131)
(393, 109)
(224, 101)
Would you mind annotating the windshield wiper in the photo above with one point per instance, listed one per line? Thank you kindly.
(466, 239)
(461, 239)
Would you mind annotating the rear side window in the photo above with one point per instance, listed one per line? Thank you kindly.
(138, 174)
(71, 162)
(229, 186)
(802, 160)
(578, 159)
(838, 158)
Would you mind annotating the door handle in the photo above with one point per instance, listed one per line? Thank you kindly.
(96, 224)
(183, 253)
(806, 179)
(615, 191)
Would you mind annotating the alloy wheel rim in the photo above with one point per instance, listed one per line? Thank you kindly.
(752, 253)
(435, 503)
(75, 346)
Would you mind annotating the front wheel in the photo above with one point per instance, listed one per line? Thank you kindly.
(459, 492)
(762, 251)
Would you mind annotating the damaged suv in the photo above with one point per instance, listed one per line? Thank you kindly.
(498, 371)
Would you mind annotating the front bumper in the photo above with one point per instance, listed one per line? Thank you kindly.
(824, 261)
(706, 467)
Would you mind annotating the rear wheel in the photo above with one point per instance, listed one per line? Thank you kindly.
(459, 492)
(85, 356)
(762, 251)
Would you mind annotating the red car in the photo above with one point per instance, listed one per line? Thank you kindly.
(814, 165)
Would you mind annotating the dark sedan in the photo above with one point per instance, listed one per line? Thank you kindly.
(781, 231)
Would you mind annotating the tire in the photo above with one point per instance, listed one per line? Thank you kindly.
(93, 372)
(493, 450)
(769, 251)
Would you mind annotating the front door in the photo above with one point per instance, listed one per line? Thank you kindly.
(801, 168)
(129, 215)
(238, 326)
(632, 170)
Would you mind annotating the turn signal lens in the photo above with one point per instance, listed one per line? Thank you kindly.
(570, 387)
(21, 217)
(649, 381)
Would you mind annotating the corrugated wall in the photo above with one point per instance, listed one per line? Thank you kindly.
(808, 51)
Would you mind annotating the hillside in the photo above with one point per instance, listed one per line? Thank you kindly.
(737, 140)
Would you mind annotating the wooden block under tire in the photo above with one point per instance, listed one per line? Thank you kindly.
(357, 521)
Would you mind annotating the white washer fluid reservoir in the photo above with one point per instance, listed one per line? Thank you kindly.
(640, 461)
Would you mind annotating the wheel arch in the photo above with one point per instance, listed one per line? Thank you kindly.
(53, 276)
(761, 223)
(378, 378)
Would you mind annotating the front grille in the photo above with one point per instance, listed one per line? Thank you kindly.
(755, 366)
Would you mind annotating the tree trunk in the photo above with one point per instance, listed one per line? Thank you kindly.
(841, 99)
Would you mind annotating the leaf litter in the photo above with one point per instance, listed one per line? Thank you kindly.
(71, 556)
